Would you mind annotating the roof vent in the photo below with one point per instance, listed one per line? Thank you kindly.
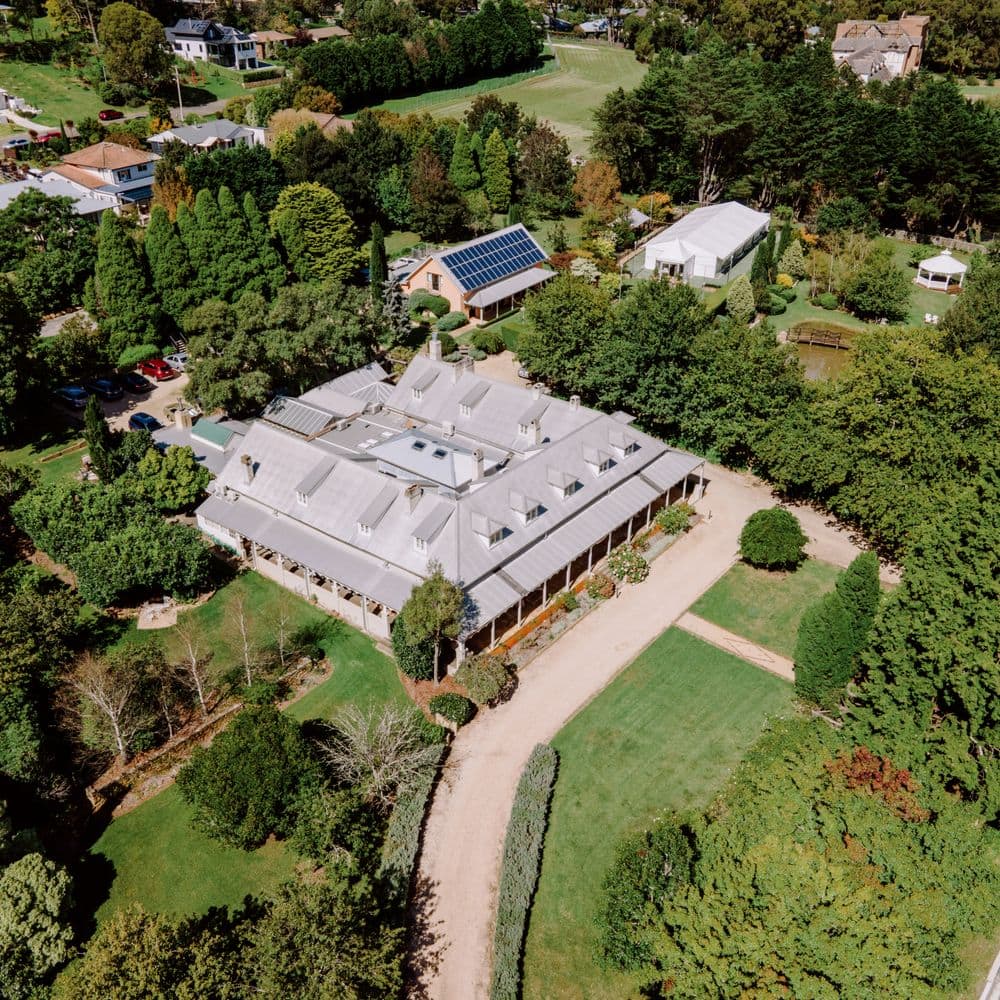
(448, 429)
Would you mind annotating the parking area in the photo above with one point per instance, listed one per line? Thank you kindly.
(154, 403)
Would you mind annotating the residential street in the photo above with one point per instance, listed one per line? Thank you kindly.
(459, 867)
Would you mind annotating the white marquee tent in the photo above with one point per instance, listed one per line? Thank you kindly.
(706, 242)
(941, 271)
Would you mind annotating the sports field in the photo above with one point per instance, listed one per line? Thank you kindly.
(564, 94)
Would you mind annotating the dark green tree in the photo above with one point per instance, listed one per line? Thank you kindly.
(127, 310)
(378, 267)
(269, 273)
(859, 591)
(173, 277)
(824, 651)
(462, 169)
(496, 172)
(132, 47)
(315, 232)
(102, 441)
(243, 787)
(437, 209)
(434, 612)
(18, 344)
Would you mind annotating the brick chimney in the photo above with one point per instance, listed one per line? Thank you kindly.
(247, 463)
(434, 347)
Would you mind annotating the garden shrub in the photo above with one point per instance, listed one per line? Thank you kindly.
(784, 281)
(789, 294)
(600, 587)
(131, 356)
(421, 299)
(485, 677)
(648, 868)
(627, 565)
(448, 343)
(271, 73)
(402, 835)
(827, 300)
(489, 339)
(451, 321)
(776, 305)
(477, 355)
(859, 590)
(775, 289)
(772, 539)
(567, 600)
(415, 659)
(674, 518)
(522, 855)
(453, 707)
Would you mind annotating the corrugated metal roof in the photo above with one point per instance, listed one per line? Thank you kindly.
(315, 477)
(717, 230)
(294, 415)
(509, 287)
(378, 507)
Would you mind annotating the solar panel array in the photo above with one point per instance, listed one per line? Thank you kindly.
(492, 259)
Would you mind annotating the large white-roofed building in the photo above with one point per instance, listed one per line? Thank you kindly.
(707, 243)
(346, 494)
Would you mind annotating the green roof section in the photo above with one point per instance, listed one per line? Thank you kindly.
(213, 433)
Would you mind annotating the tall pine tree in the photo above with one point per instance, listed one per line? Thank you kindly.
(271, 272)
(496, 172)
(378, 267)
(462, 171)
(127, 311)
(169, 265)
(860, 593)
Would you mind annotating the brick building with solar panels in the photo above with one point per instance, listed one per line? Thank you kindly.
(485, 277)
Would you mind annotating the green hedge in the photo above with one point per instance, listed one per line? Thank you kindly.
(511, 336)
(253, 75)
(422, 299)
(402, 835)
(451, 321)
(489, 339)
(522, 857)
(453, 707)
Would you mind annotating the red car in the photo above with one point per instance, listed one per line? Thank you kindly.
(157, 368)
(44, 137)
(110, 115)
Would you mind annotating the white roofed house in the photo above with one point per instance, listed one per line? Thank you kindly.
(348, 492)
(705, 245)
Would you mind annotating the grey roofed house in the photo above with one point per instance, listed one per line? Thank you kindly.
(212, 441)
(219, 133)
(90, 204)
(514, 492)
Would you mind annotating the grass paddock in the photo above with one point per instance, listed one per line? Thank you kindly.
(664, 735)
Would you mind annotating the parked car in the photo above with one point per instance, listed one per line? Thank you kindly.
(143, 422)
(136, 383)
(178, 360)
(110, 114)
(18, 142)
(43, 137)
(106, 388)
(74, 396)
(158, 369)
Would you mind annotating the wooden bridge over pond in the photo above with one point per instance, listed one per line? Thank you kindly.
(820, 337)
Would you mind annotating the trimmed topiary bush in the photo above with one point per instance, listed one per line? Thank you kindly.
(789, 294)
(486, 677)
(488, 339)
(422, 299)
(776, 305)
(522, 856)
(773, 539)
(451, 321)
(453, 707)
(415, 659)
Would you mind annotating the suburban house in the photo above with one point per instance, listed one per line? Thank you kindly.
(213, 442)
(89, 204)
(484, 277)
(268, 42)
(704, 246)
(347, 493)
(107, 168)
(881, 50)
(212, 42)
(217, 134)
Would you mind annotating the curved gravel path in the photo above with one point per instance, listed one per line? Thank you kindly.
(460, 861)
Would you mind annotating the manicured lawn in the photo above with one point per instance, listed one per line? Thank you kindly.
(160, 861)
(58, 92)
(565, 96)
(766, 607)
(663, 736)
(158, 858)
(40, 454)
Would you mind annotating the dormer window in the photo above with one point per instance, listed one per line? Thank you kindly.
(604, 466)
(417, 394)
(420, 544)
(522, 429)
(364, 530)
(496, 537)
(465, 410)
(302, 498)
(532, 513)
(571, 488)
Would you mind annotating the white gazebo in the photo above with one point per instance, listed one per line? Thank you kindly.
(941, 271)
